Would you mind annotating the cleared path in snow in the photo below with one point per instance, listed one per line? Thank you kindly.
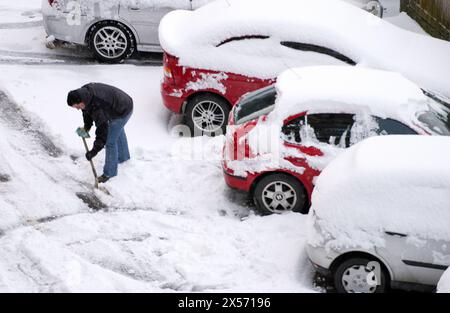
(171, 224)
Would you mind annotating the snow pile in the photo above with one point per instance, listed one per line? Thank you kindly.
(196, 38)
(395, 183)
(444, 283)
(32, 164)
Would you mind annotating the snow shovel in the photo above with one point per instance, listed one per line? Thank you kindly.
(84, 134)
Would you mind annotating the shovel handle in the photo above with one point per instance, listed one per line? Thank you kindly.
(92, 163)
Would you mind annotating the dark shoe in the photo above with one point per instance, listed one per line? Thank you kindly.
(103, 179)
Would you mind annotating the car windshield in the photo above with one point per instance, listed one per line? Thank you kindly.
(255, 104)
(437, 119)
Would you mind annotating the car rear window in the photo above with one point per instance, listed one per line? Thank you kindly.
(255, 104)
(318, 49)
(242, 38)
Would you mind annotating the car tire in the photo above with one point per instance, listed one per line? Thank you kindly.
(352, 275)
(292, 195)
(111, 42)
(207, 114)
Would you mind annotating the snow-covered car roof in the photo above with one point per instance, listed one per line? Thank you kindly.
(397, 184)
(197, 38)
(327, 89)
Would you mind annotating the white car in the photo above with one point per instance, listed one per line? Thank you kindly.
(380, 215)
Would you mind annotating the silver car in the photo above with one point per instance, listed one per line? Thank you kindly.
(376, 226)
(115, 29)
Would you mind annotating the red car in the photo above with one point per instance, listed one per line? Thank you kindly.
(204, 97)
(221, 51)
(282, 137)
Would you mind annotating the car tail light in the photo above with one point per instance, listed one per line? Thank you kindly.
(51, 2)
(168, 72)
(169, 66)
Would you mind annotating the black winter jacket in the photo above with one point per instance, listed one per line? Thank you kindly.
(104, 103)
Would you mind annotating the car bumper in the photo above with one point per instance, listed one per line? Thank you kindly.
(59, 27)
(321, 259)
(235, 182)
(172, 97)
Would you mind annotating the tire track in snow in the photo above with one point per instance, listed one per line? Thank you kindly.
(38, 58)
(21, 25)
(13, 115)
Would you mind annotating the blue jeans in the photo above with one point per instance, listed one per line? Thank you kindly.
(116, 146)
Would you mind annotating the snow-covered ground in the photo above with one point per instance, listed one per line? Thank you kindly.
(20, 11)
(171, 223)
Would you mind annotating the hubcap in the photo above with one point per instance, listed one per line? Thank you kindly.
(279, 197)
(208, 116)
(110, 42)
(356, 280)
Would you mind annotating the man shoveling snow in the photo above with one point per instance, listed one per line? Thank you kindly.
(110, 108)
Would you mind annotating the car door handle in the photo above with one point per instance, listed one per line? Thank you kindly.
(135, 8)
(394, 234)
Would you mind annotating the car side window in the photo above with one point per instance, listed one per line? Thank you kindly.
(291, 132)
(366, 126)
(390, 126)
(326, 128)
(318, 49)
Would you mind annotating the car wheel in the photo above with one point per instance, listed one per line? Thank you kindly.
(357, 275)
(111, 42)
(207, 114)
(279, 193)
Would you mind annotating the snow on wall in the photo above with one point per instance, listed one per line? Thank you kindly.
(369, 41)
(384, 184)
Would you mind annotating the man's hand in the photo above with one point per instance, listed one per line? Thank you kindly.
(90, 155)
(83, 133)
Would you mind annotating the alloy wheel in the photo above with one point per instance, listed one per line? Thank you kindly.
(208, 116)
(110, 42)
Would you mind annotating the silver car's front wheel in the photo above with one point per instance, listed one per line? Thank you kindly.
(357, 275)
(111, 42)
(356, 280)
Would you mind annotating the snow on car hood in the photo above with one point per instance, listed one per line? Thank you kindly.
(193, 36)
(398, 184)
